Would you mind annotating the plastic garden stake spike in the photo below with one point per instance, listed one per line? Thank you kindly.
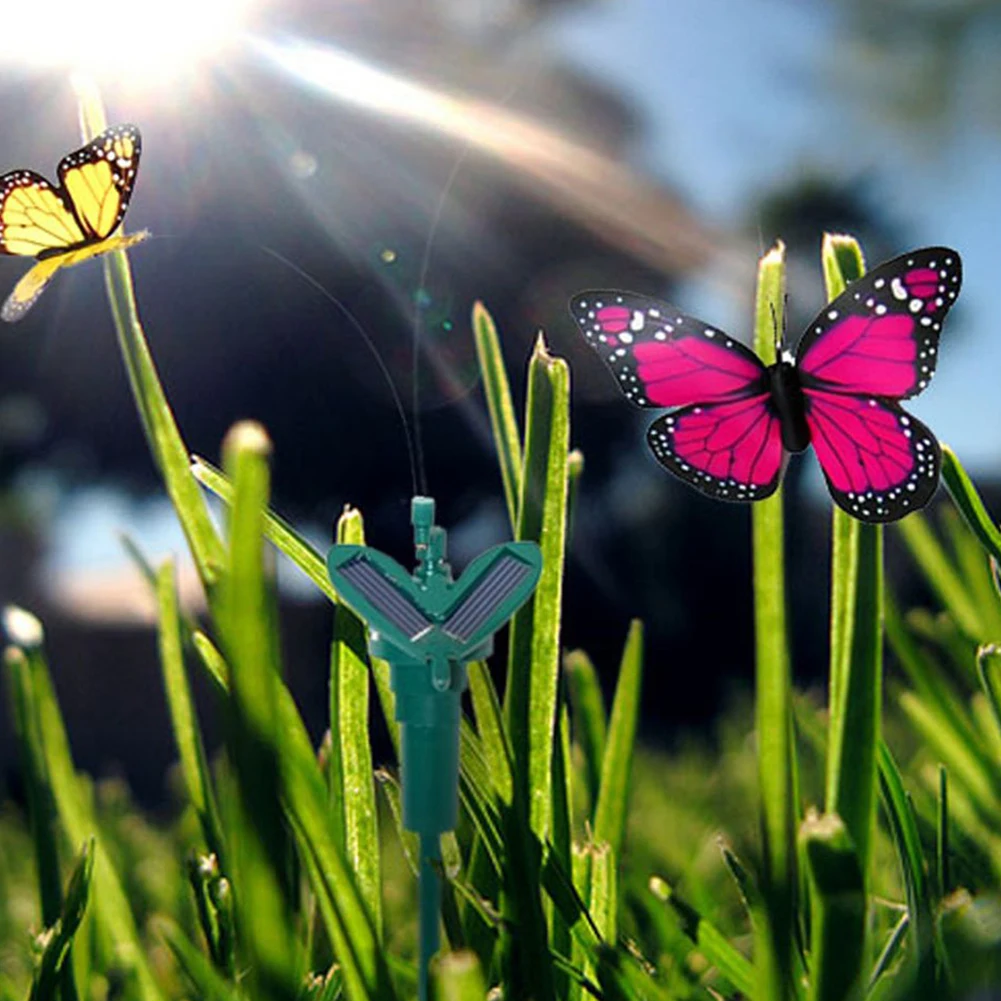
(428, 627)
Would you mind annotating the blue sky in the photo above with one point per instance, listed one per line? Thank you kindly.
(738, 96)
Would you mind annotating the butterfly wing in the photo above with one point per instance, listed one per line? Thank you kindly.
(875, 344)
(32, 285)
(881, 463)
(98, 179)
(35, 217)
(659, 356)
(731, 451)
(725, 438)
(880, 336)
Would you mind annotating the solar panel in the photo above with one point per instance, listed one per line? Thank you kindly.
(491, 592)
(386, 596)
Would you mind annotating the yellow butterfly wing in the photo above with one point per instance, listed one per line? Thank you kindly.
(35, 218)
(98, 179)
(66, 225)
(31, 286)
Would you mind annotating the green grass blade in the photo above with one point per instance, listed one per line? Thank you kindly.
(942, 851)
(276, 529)
(118, 942)
(904, 831)
(351, 755)
(989, 673)
(533, 664)
(838, 909)
(206, 982)
(856, 673)
(52, 967)
(306, 802)
(561, 839)
(930, 681)
(457, 976)
(966, 763)
(841, 261)
(42, 813)
(941, 574)
(590, 723)
(184, 722)
(257, 836)
(774, 928)
(500, 406)
(732, 965)
(613, 796)
(854, 726)
(164, 439)
(968, 501)
(889, 952)
(490, 726)
(345, 914)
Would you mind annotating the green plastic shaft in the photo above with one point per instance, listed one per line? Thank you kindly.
(429, 907)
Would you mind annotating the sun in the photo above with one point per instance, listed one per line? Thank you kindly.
(110, 40)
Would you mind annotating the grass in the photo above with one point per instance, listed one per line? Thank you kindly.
(839, 850)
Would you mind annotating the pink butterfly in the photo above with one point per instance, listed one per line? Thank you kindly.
(736, 420)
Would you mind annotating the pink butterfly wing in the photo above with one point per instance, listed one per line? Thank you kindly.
(730, 451)
(880, 336)
(880, 462)
(659, 356)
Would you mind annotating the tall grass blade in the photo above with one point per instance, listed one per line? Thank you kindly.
(42, 813)
(942, 851)
(775, 922)
(257, 838)
(590, 723)
(970, 506)
(207, 983)
(533, 666)
(856, 679)
(162, 435)
(350, 771)
(941, 574)
(276, 530)
(184, 722)
(490, 726)
(904, 831)
(52, 967)
(732, 965)
(500, 407)
(613, 796)
(837, 909)
(118, 941)
(989, 673)
(457, 976)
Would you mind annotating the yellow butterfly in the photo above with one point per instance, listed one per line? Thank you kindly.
(66, 224)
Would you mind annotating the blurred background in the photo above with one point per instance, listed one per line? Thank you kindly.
(330, 186)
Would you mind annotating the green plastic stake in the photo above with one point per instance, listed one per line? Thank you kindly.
(428, 627)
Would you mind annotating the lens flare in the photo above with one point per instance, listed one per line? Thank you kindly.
(104, 38)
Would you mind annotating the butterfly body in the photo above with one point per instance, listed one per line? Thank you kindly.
(733, 421)
(64, 224)
(789, 405)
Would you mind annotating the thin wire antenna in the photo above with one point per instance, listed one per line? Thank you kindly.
(425, 268)
(415, 353)
(408, 434)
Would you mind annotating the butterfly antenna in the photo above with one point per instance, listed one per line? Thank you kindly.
(776, 332)
(412, 452)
